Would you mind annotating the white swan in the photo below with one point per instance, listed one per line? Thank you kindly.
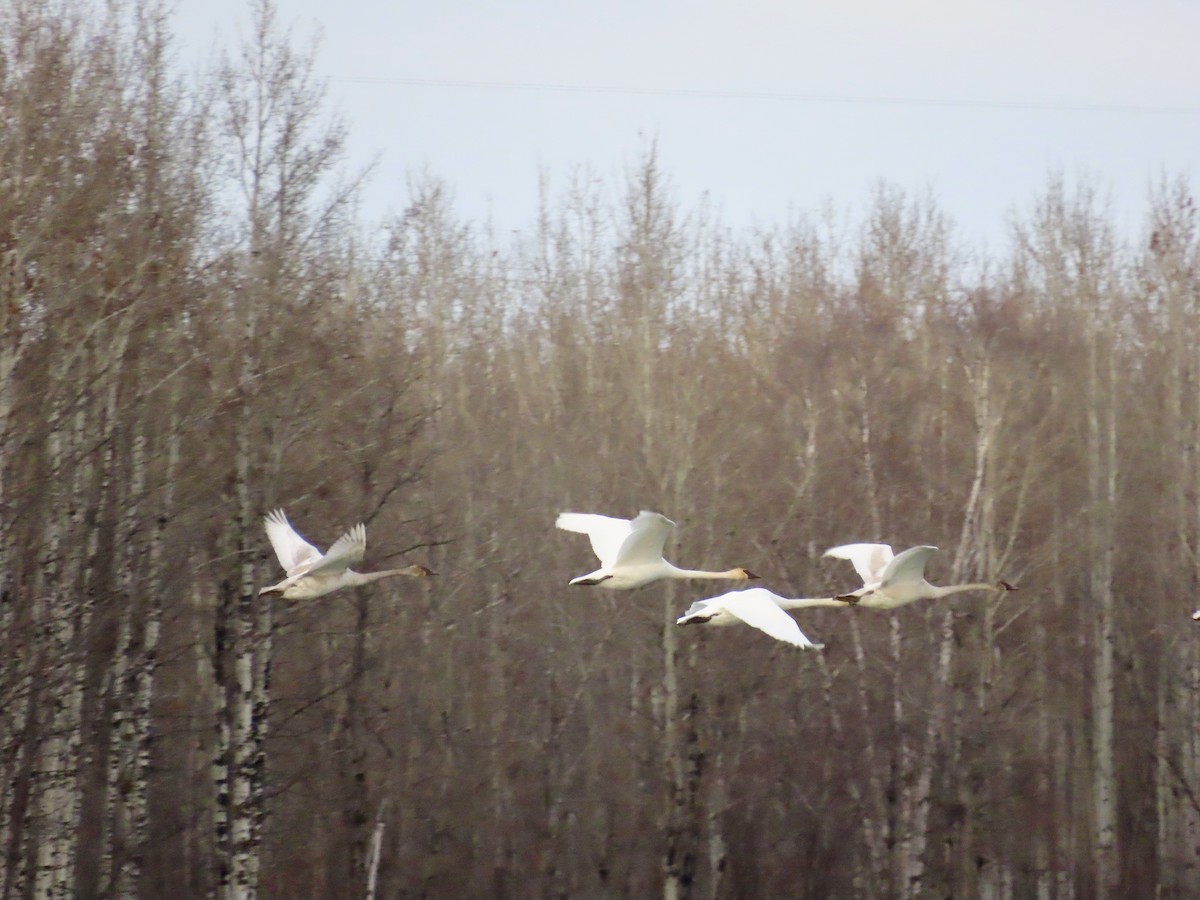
(630, 551)
(758, 607)
(312, 575)
(890, 581)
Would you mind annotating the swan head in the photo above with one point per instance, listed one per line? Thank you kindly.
(419, 571)
(1005, 586)
(746, 574)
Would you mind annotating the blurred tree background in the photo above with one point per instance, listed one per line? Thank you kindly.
(195, 328)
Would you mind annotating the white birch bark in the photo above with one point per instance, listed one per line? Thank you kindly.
(21, 678)
(913, 841)
(874, 807)
(1102, 491)
(375, 853)
(9, 356)
(497, 720)
(1045, 854)
(88, 574)
(1187, 682)
(66, 615)
(222, 757)
(1174, 751)
(202, 749)
(1177, 753)
(281, 154)
(971, 536)
(17, 689)
(674, 867)
(718, 848)
(249, 656)
(135, 663)
(881, 828)
(239, 689)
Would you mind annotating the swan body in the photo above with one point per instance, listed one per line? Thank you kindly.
(757, 607)
(631, 550)
(311, 574)
(890, 581)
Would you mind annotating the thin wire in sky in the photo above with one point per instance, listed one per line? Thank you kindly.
(775, 96)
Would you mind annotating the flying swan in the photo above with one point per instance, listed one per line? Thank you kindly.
(309, 574)
(630, 551)
(891, 581)
(759, 608)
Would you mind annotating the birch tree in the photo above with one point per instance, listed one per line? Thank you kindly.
(281, 155)
(83, 244)
(1070, 251)
(1168, 270)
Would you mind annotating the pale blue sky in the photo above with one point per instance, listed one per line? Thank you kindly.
(779, 105)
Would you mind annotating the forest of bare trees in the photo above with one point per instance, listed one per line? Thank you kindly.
(195, 328)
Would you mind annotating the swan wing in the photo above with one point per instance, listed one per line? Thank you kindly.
(697, 608)
(869, 560)
(644, 544)
(757, 607)
(296, 555)
(907, 567)
(605, 532)
(347, 551)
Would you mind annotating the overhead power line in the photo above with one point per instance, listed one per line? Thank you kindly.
(775, 96)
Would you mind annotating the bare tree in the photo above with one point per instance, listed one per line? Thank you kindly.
(1071, 251)
(281, 154)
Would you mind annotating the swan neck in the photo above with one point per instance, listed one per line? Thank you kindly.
(805, 602)
(730, 574)
(948, 589)
(357, 578)
(385, 573)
